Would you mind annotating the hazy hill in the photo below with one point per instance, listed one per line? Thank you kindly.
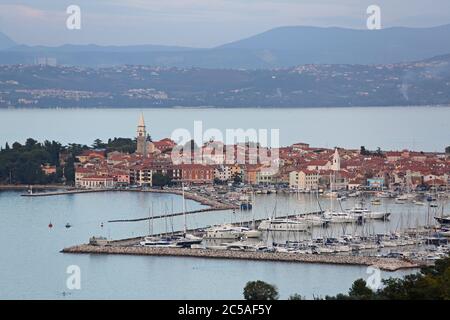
(280, 47)
(311, 85)
(5, 42)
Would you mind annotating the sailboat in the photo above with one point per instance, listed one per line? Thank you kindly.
(282, 224)
(186, 240)
(338, 217)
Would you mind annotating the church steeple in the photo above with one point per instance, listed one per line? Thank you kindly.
(336, 166)
(141, 126)
(141, 137)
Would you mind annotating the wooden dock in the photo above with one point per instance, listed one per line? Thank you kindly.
(388, 264)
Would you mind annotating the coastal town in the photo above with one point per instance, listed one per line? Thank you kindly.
(358, 235)
(300, 167)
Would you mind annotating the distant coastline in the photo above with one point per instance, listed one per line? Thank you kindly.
(175, 107)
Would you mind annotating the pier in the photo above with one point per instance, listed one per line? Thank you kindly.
(204, 200)
(387, 264)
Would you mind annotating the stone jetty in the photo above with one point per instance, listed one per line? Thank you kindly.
(388, 264)
(204, 200)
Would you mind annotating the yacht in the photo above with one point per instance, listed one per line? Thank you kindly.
(225, 231)
(341, 217)
(282, 224)
(245, 203)
(313, 220)
(443, 220)
(365, 213)
(158, 242)
(187, 240)
(375, 202)
(401, 199)
(245, 246)
(250, 233)
(383, 195)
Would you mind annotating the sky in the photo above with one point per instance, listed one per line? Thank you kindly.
(198, 23)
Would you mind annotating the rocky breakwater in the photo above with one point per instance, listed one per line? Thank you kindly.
(388, 264)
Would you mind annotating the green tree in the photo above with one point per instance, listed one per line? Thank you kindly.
(161, 180)
(295, 296)
(98, 144)
(363, 151)
(69, 170)
(260, 290)
(431, 283)
(359, 290)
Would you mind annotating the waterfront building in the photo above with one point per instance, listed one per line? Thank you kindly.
(223, 173)
(196, 173)
(250, 173)
(265, 175)
(97, 182)
(305, 180)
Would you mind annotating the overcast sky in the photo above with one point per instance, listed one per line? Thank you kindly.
(199, 23)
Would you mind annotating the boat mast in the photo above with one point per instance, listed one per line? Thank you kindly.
(184, 211)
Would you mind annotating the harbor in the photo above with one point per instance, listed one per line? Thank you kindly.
(358, 236)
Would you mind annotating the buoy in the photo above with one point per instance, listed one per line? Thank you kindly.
(68, 225)
(50, 225)
(101, 225)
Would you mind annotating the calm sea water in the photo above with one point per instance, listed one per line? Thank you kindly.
(32, 266)
(419, 128)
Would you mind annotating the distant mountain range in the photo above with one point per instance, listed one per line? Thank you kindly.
(425, 82)
(6, 42)
(277, 48)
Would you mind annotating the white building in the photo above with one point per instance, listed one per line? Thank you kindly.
(305, 180)
(97, 182)
(223, 173)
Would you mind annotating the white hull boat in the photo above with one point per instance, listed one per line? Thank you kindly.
(282, 225)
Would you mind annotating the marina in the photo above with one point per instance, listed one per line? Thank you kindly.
(306, 237)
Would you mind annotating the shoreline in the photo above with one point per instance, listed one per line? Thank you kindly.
(208, 107)
(386, 264)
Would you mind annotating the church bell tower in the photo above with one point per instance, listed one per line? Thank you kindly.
(141, 137)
